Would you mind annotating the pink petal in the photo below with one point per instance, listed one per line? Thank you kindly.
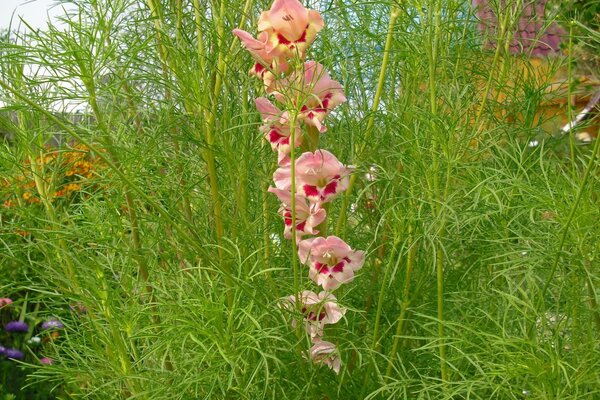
(338, 246)
(283, 178)
(304, 249)
(267, 110)
(289, 18)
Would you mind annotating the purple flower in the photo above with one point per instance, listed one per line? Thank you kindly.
(52, 324)
(2, 350)
(16, 326)
(14, 354)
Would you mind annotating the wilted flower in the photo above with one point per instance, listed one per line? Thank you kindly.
(324, 352)
(331, 261)
(14, 354)
(16, 326)
(52, 324)
(5, 301)
(308, 216)
(318, 311)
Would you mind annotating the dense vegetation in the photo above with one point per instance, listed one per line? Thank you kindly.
(143, 223)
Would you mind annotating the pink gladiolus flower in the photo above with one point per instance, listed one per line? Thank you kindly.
(321, 94)
(267, 64)
(318, 310)
(320, 176)
(5, 301)
(276, 129)
(290, 28)
(308, 216)
(331, 261)
(283, 178)
(324, 352)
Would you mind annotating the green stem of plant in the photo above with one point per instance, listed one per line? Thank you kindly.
(570, 99)
(378, 314)
(503, 26)
(295, 268)
(394, 13)
(435, 21)
(410, 260)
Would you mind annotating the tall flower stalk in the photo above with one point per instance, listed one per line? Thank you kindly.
(301, 96)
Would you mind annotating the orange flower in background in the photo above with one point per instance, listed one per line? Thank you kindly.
(68, 172)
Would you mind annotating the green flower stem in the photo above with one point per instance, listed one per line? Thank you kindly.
(380, 300)
(394, 13)
(41, 186)
(89, 84)
(503, 29)
(210, 125)
(295, 268)
(434, 22)
(570, 100)
(410, 261)
(164, 63)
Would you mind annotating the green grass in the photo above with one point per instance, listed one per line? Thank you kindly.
(475, 241)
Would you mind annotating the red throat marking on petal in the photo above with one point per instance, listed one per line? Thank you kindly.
(310, 191)
(330, 188)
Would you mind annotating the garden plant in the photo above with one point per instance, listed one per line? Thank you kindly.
(320, 199)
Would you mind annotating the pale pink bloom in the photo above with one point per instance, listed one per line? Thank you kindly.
(317, 310)
(319, 93)
(320, 176)
(330, 260)
(4, 301)
(267, 65)
(308, 216)
(290, 28)
(283, 177)
(324, 352)
(276, 129)
(46, 361)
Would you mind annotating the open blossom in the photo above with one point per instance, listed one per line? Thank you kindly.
(52, 324)
(14, 354)
(308, 216)
(16, 326)
(331, 261)
(290, 27)
(320, 176)
(318, 310)
(319, 93)
(324, 352)
(276, 129)
(286, 31)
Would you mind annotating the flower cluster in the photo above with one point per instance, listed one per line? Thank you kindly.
(67, 173)
(19, 339)
(302, 95)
